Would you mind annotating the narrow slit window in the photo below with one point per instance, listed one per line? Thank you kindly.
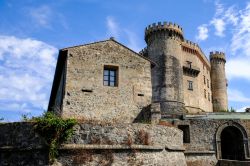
(190, 85)
(110, 74)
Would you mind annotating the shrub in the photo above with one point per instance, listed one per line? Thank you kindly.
(54, 130)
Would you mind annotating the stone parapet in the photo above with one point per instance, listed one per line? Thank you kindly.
(95, 144)
(217, 55)
(163, 26)
(195, 49)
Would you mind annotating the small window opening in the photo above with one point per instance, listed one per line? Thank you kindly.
(186, 133)
(190, 85)
(87, 90)
(204, 77)
(205, 93)
(110, 75)
(207, 83)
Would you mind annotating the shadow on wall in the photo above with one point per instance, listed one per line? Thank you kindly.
(144, 116)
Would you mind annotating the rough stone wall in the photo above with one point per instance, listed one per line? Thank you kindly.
(20, 145)
(202, 148)
(167, 76)
(93, 144)
(219, 82)
(85, 95)
(133, 157)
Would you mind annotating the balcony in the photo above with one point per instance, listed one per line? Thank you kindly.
(191, 70)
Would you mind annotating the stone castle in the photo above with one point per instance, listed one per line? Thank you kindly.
(166, 105)
(170, 71)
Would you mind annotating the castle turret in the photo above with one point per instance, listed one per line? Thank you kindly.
(218, 81)
(164, 48)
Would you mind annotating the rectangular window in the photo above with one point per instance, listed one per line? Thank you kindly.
(110, 74)
(208, 96)
(204, 77)
(190, 85)
(205, 93)
(186, 133)
(207, 83)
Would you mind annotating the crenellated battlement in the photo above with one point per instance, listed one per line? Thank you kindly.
(192, 45)
(144, 52)
(194, 48)
(163, 26)
(217, 55)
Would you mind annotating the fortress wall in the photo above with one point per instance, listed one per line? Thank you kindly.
(93, 144)
(202, 149)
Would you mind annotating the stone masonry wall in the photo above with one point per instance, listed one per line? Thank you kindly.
(95, 144)
(85, 95)
(202, 149)
(195, 100)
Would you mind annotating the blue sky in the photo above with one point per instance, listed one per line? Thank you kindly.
(31, 32)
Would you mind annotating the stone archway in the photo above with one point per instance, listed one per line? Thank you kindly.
(232, 146)
(232, 142)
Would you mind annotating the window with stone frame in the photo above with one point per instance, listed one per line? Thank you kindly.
(190, 85)
(207, 83)
(208, 96)
(110, 76)
(204, 77)
(205, 93)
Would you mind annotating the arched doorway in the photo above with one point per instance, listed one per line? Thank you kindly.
(232, 145)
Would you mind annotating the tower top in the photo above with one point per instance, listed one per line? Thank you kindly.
(217, 55)
(163, 26)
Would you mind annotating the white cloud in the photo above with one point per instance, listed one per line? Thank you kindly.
(219, 8)
(222, 18)
(41, 15)
(242, 109)
(237, 96)
(241, 34)
(202, 32)
(219, 26)
(112, 26)
(131, 39)
(231, 16)
(26, 73)
(238, 68)
(239, 45)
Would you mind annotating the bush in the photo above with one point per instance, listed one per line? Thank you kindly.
(54, 130)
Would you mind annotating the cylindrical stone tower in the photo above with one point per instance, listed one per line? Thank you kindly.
(218, 81)
(164, 48)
